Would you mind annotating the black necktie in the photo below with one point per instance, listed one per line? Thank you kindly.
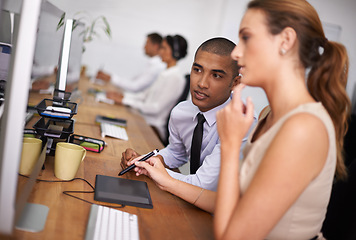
(196, 145)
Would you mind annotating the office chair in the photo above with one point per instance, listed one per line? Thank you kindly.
(340, 220)
(182, 98)
(185, 92)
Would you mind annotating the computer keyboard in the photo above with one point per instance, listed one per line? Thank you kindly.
(107, 223)
(112, 130)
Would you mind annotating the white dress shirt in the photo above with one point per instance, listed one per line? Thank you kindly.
(181, 126)
(156, 102)
(142, 81)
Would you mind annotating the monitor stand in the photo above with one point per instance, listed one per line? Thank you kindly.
(33, 218)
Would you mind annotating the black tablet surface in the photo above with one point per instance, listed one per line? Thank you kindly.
(122, 191)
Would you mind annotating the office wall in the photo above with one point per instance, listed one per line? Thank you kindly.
(342, 13)
(131, 20)
(197, 20)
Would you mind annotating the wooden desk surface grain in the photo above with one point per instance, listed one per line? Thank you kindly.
(170, 218)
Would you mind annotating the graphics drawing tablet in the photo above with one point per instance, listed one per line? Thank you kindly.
(122, 191)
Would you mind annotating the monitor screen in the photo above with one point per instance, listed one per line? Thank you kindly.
(48, 41)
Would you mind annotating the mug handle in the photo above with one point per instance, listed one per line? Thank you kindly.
(84, 154)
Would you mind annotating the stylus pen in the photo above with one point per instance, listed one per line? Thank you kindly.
(147, 156)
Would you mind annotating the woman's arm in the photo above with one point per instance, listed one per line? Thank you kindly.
(154, 168)
(234, 114)
(164, 94)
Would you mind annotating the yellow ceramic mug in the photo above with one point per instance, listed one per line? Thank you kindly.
(67, 159)
(31, 150)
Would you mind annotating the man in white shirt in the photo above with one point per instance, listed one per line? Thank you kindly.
(213, 76)
(149, 73)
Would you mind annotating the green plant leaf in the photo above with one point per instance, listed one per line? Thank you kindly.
(107, 29)
(91, 26)
(75, 24)
(61, 21)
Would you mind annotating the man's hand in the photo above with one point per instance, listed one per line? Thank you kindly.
(103, 76)
(128, 155)
(40, 84)
(117, 97)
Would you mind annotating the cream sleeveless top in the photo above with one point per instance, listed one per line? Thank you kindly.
(305, 217)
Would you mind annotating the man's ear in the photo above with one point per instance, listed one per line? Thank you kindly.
(288, 38)
(235, 81)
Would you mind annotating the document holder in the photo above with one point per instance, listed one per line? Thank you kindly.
(55, 128)
(56, 109)
(122, 191)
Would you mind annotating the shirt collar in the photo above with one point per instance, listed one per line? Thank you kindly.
(210, 116)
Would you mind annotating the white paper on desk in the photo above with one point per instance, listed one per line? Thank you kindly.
(56, 114)
(101, 97)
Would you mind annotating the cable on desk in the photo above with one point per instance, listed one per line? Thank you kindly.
(70, 195)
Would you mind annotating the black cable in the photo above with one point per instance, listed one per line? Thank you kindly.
(70, 195)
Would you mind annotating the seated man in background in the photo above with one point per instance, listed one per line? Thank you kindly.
(213, 76)
(149, 73)
(156, 102)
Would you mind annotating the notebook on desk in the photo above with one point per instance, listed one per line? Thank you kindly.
(122, 191)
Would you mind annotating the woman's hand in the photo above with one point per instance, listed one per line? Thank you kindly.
(234, 121)
(153, 168)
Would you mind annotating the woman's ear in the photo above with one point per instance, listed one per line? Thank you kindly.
(288, 39)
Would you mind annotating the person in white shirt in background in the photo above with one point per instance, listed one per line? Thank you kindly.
(149, 73)
(157, 101)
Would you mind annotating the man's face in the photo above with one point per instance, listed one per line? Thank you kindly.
(151, 49)
(211, 80)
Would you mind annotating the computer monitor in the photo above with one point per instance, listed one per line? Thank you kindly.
(13, 199)
(76, 51)
(69, 63)
(5, 51)
(5, 26)
(48, 41)
(64, 56)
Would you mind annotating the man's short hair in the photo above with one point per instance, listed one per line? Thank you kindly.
(155, 38)
(220, 46)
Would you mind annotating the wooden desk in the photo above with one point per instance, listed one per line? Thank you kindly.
(170, 218)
